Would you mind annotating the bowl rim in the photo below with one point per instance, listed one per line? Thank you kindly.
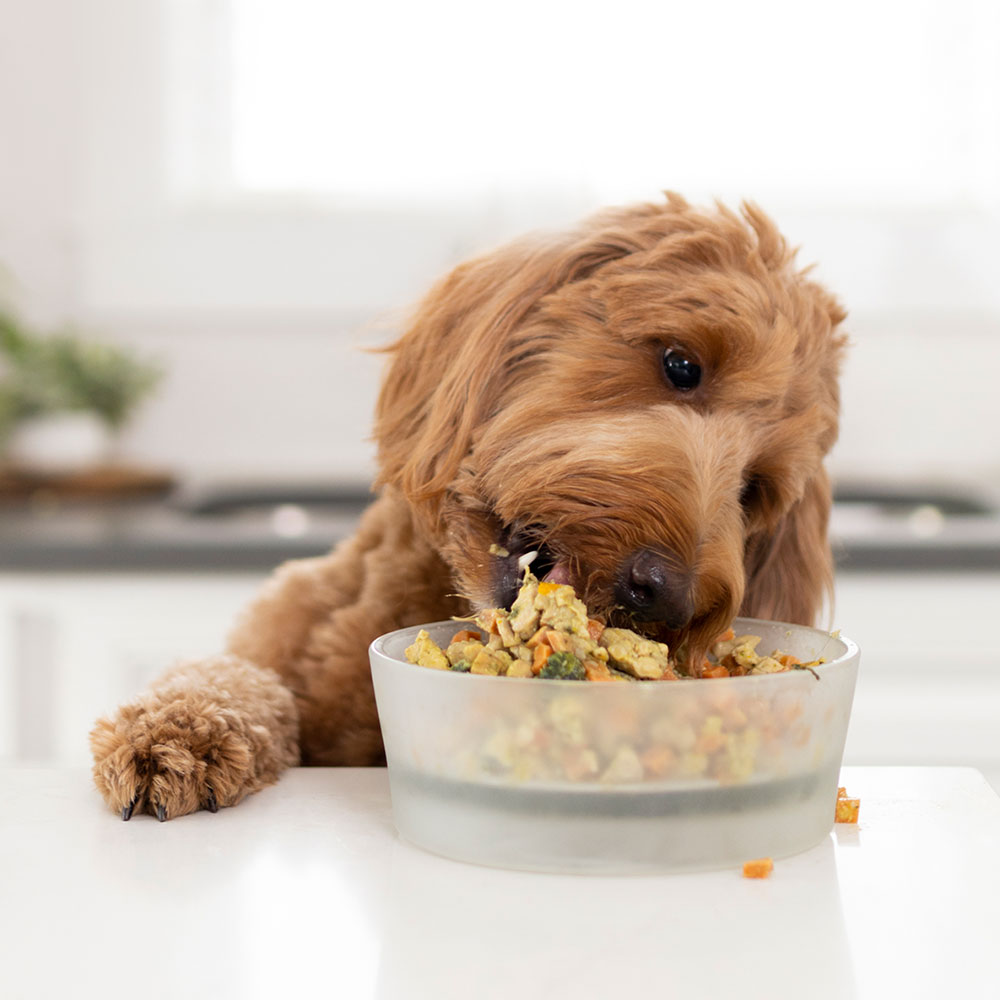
(849, 657)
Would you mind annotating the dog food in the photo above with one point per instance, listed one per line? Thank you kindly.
(758, 868)
(847, 809)
(714, 733)
(548, 634)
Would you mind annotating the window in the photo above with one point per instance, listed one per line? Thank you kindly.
(853, 103)
(318, 154)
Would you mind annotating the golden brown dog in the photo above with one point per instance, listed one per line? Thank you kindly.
(646, 401)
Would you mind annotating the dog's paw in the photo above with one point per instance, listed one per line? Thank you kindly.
(167, 758)
(207, 736)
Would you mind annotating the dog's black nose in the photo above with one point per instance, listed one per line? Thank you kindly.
(654, 588)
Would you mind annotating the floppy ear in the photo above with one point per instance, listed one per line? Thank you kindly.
(447, 370)
(790, 572)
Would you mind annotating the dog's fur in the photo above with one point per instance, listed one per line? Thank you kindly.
(527, 406)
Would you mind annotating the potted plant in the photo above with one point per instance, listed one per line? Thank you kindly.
(65, 398)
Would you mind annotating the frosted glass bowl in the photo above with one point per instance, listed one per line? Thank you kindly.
(646, 777)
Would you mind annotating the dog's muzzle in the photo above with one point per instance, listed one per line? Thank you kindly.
(652, 587)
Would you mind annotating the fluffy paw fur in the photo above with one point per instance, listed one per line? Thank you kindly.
(205, 736)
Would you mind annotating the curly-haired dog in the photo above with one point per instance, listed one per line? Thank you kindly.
(646, 400)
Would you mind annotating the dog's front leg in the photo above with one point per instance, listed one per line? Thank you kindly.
(295, 684)
(205, 735)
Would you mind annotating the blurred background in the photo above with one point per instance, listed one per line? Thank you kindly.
(209, 209)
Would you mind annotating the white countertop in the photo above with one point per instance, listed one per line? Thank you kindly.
(305, 888)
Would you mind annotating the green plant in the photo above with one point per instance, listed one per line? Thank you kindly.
(21, 393)
(9, 413)
(67, 372)
(13, 339)
(103, 379)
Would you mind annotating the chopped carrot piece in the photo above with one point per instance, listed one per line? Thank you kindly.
(466, 635)
(559, 641)
(545, 587)
(847, 810)
(579, 764)
(538, 637)
(787, 660)
(597, 671)
(758, 868)
(717, 671)
(595, 629)
(541, 655)
(726, 636)
(657, 760)
(735, 669)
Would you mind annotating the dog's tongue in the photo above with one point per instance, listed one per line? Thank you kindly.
(558, 574)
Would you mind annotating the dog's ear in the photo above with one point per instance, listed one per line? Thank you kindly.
(447, 370)
(790, 571)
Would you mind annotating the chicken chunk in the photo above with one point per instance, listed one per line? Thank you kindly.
(427, 653)
(642, 658)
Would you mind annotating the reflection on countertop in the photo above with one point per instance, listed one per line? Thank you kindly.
(254, 526)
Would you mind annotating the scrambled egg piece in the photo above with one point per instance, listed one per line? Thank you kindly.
(426, 652)
(561, 609)
(491, 661)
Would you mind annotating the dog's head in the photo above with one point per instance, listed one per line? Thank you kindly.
(646, 401)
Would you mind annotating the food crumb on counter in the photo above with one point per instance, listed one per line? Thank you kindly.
(847, 809)
(758, 868)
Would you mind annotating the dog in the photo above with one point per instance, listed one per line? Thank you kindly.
(645, 401)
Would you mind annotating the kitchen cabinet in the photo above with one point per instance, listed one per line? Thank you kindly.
(929, 684)
(72, 646)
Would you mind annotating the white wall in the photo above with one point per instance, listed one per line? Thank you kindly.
(39, 164)
(259, 394)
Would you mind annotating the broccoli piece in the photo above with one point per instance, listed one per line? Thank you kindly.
(462, 666)
(563, 666)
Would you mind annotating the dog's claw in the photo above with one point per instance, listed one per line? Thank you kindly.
(127, 810)
(212, 805)
(161, 812)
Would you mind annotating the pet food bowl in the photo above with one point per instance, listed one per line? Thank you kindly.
(616, 778)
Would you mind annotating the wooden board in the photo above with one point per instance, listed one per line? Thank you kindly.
(109, 482)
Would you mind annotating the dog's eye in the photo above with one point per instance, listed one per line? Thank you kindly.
(682, 373)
